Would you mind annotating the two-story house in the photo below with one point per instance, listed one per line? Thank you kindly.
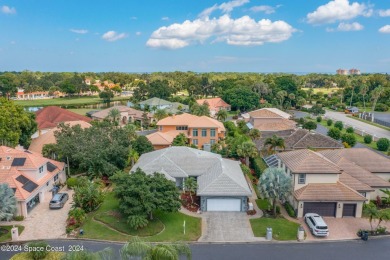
(329, 184)
(200, 130)
(214, 104)
(30, 175)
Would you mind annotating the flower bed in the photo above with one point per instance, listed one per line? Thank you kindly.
(190, 204)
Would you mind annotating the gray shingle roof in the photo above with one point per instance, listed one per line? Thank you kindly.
(217, 176)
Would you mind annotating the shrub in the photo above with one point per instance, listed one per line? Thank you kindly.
(350, 139)
(381, 107)
(76, 216)
(319, 119)
(346, 145)
(339, 125)
(71, 182)
(350, 130)
(310, 125)
(329, 122)
(383, 144)
(381, 230)
(277, 210)
(289, 209)
(335, 133)
(37, 254)
(19, 218)
(368, 139)
(258, 165)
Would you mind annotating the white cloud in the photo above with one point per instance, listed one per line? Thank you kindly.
(8, 10)
(79, 31)
(112, 36)
(338, 10)
(138, 33)
(384, 13)
(165, 18)
(225, 7)
(347, 27)
(133, 18)
(263, 8)
(242, 31)
(385, 29)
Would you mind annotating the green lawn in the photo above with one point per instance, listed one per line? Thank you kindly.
(282, 228)
(168, 227)
(263, 204)
(72, 101)
(82, 111)
(7, 237)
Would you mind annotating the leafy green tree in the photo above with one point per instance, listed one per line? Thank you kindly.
(200, 110)
(317, 110)
(16, 125)
(247, 150)
(160, 114)
(319, 119)
(254, 134)
(383, 144)
(339, 125)
(241, 98)
(335, 133)
(141, 194)
(180, 140)
(281, 95)
(87, 195)
(349, 138)
(145, 119)
(105, 254)
(8, 85)
(274, 185)
(375, 95)
(7, 202)
(191, 186)
(310, 125)
(274, 142)
(142, 145)
(329, 122)
(138, 249)
(106, 95)
(222, 115)
(36, 252)
(133, 157)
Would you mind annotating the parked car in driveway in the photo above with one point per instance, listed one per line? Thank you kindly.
(316, 225)
(58, 200)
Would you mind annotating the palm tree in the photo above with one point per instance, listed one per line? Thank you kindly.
(160, 114)
(7, 202)
(375, 95)
(247, 150)
(254, 134)
(144, 250)
(133, 157)
(114, 114)
(191, 186)
(363, 91)
(371, 211)
(222, 115)
(274, 142)
(281, 95)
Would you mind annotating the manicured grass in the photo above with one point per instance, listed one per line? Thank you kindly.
(172, 224)
(7, 237)
(263, 204)
(82, 111)
(49, 256)
(323, 90)
(282, 228)
(65, 101)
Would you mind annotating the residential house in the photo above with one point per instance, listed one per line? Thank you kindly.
(158, 103)
(269, 120)
(21, 95)
(30, 175)
(200, 130)
(127, 115)
(325, 183)
(221, 182)
(215, 104)
(47, 137)
(49, 117)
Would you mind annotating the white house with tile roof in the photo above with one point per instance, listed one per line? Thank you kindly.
(221, 182)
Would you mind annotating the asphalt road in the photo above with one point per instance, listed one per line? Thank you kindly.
(373, 130)
(356, 250)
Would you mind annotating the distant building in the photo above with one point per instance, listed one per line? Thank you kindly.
(127, 115)
(342, 72)
(348, 72)
(354, 72)
(269, 120)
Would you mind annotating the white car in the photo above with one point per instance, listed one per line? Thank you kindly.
(317, 225)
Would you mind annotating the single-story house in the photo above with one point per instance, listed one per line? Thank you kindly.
(269, 120)
(222, 185)
(127, 114)
(169, 107)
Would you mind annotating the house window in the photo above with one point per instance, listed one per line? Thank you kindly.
(56, 177)
(204, 132)
(181, 127)
(47, 183)
(195, 142)
(212, 141)
(302, 179)
(41, 169)
(195, 132)
(212, 132)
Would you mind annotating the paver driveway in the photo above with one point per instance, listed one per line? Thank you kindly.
(227, 227)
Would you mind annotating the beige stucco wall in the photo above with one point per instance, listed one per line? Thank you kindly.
(385, 176)
(315, 178)
(376, 193)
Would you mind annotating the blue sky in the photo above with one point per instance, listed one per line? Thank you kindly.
(202, 36)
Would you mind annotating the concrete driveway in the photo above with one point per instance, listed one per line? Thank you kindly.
(226, 227)
(342, 228)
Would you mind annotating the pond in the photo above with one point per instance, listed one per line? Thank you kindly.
(92, 107)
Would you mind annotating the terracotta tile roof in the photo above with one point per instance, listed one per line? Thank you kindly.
(269, 113)
(9, 173)
(214, 103)
(160, 138)
(327, 192)
(307, 161)
(192, 121)
(130, 111)
(363, 157)
(49, 138)
(51, 116)
(354, 183)
(303, 138)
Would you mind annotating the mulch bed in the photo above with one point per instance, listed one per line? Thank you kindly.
(187, 202)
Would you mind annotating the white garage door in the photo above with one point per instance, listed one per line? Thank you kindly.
(223, 205)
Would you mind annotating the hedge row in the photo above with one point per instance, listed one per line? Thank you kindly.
(258, 165)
